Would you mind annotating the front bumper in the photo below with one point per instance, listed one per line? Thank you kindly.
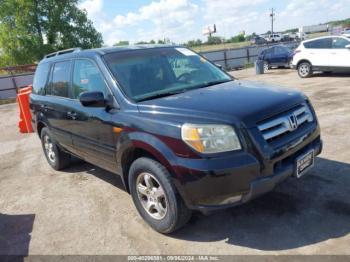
(212, 184)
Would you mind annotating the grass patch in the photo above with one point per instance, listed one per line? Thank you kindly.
(7, 101)
(205, 48)
(314, 35)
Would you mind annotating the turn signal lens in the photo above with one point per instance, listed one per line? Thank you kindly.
(193, 138)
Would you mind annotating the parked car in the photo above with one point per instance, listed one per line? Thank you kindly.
(257, 40)
(273, 37)
(301, 36)
(289, 37)
(182, 134)
(346, 32)
(327, 54)
(276, 56)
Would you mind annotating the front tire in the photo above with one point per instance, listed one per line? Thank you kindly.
(56, 158)
(155, 197)
(304, 69)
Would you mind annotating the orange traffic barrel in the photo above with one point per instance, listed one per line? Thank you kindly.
(25, 118)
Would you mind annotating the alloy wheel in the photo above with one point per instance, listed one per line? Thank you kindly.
(304, 70)
(151, 195)
(48, 145)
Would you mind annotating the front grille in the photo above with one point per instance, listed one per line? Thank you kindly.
(286, 122)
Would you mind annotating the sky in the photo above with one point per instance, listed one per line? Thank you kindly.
(183, 20)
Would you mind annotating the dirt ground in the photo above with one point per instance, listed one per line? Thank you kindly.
(84, 210)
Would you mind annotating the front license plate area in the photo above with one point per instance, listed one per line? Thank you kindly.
(304, 163)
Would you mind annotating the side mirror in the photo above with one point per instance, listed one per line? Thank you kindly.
(92, 99)
(347, 46)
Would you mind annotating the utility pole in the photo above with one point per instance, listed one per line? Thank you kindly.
(272, 15)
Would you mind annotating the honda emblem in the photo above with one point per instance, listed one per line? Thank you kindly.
(293, 122)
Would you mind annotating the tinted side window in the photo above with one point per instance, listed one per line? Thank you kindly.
(40, 78)
(60, 79)
(320, 43)
(339, 43)
(280, 50)
(87, 78)
(268, 51)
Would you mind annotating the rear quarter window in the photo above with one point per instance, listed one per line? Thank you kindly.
(40, 78)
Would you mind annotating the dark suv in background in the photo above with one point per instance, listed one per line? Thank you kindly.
(276, 56)
(182, 134)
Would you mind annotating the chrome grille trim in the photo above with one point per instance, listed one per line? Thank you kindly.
(286, 122)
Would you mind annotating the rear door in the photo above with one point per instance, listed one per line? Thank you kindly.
(318, 52)
(92, 131)
(57, 103)
(268, 55)
(340, 55)
(280, 56)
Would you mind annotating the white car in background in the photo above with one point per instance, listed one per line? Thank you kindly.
(326, 54)
(275, 37)
(346, 32)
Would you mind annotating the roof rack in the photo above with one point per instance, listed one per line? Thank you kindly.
(62, 52)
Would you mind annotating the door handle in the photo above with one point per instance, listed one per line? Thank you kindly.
(72, 115)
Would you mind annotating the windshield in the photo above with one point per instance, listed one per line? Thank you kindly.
(150, 73)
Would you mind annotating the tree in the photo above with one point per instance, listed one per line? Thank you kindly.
(121, 43)
(29, 29)
(214, 40)
(249, 37)
(236, 39)
(193, 43)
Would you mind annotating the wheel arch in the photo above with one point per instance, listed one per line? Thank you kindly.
(302, 61)
(136, 145)
(39, 127)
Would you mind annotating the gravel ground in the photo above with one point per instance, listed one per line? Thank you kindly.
(84, 210)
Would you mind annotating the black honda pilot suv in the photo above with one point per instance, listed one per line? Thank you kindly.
(182, 134)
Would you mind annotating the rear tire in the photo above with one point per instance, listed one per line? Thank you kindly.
(304, 69)
(56, 158)
(157, 200)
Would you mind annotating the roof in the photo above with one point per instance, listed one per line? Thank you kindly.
(78, 52)
(323, 37)
(113, 49)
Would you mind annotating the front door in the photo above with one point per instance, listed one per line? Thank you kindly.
(92, 132)
(340, 55)
(318, 52)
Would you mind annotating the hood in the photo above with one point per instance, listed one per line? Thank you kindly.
(235, 101)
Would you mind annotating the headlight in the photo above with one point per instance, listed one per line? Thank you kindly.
(210, 138)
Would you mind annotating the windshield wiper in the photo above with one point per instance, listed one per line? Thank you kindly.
(213, 83)
(160, 95)
(182, 90)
